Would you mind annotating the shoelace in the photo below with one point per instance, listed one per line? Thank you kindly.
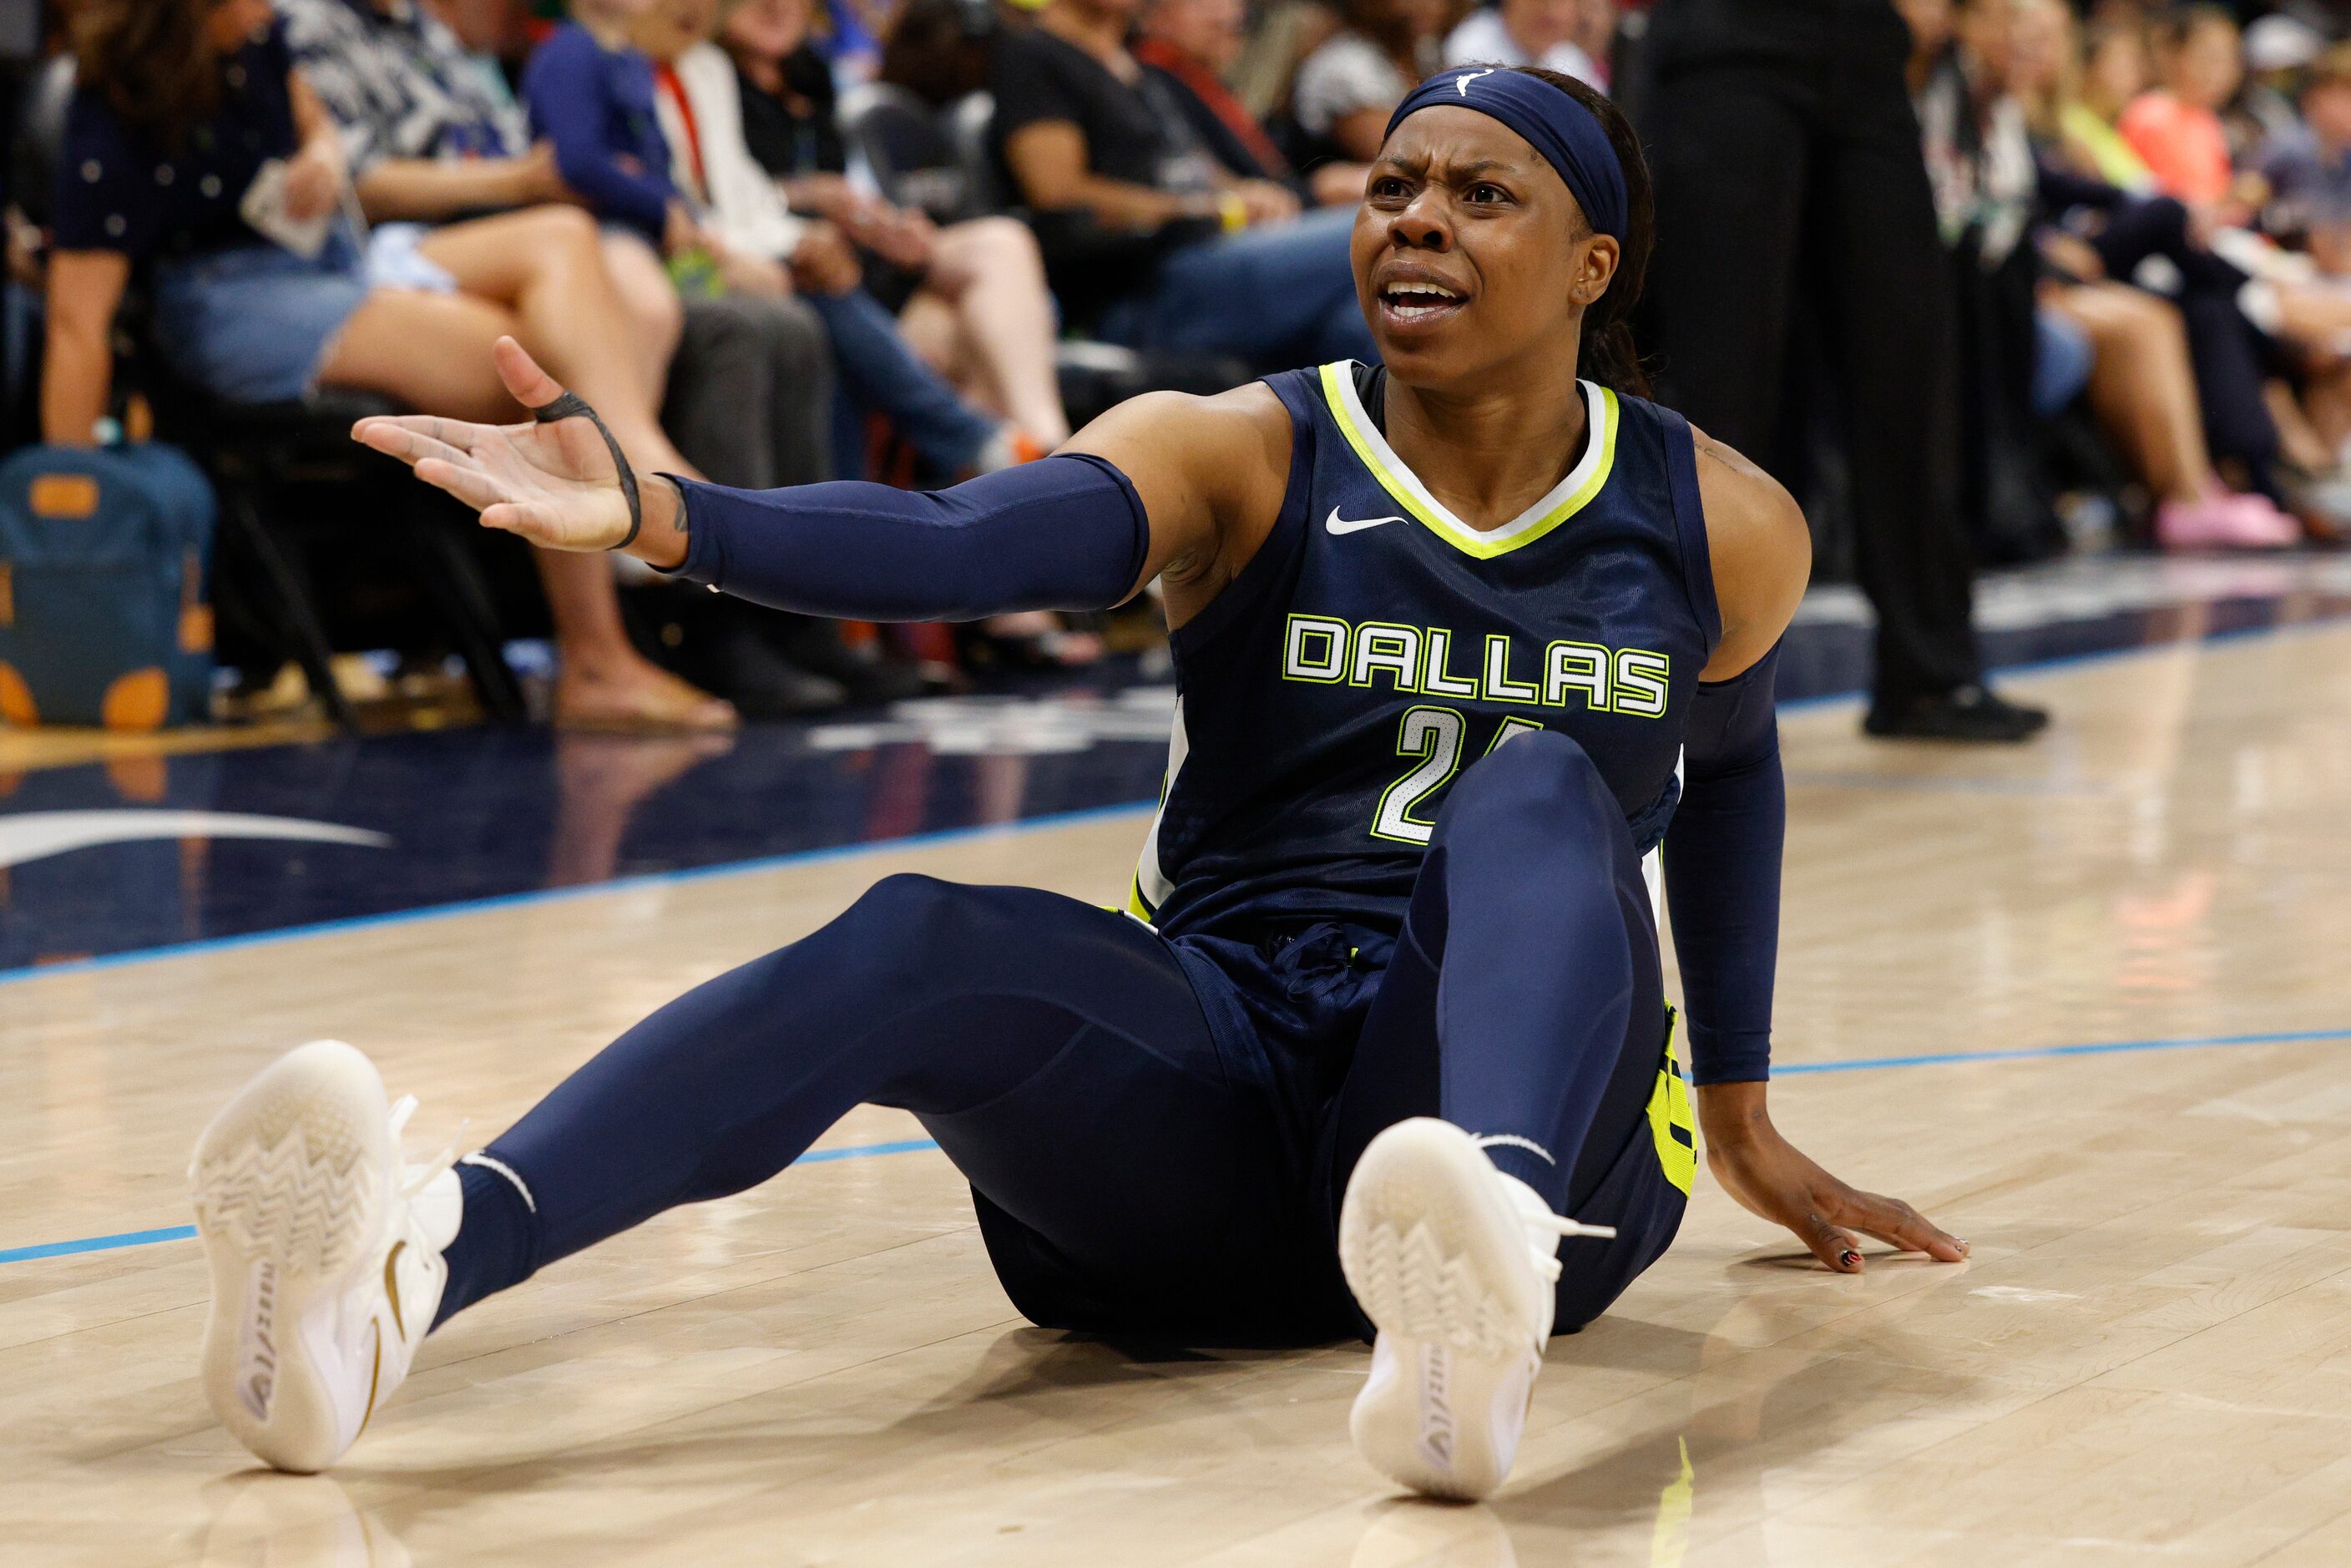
(1554, 1224)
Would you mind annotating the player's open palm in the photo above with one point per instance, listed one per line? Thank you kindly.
(1774, 1180)
(554, 483)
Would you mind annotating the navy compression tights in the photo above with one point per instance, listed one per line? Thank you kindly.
(1059, 1052)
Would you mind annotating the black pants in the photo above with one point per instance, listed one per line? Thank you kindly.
(750, 392)
(1787, 158)
(2225, 348)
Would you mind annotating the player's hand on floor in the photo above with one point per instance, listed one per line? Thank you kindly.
(1774, 1180)
(555, 483)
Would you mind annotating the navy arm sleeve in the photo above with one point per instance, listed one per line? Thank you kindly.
(1722, 873)
(1067, 532)
(566, 87)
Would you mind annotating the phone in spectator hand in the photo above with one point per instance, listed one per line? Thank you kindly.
(263, 209)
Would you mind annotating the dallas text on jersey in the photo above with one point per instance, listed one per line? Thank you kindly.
(1328, 651)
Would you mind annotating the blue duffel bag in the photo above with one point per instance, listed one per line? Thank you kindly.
(105, 555)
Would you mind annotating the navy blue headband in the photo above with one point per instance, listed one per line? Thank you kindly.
(1569, 136)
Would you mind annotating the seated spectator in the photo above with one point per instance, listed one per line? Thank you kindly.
(2176, 128)
(1349, 86)
(2308, 168)
(1981, 175)
(592, 91)
(938, 50)
(2180, 134)
(1189, 47)
(2101, 232)
(1144, 234)
(1525, 33)
(2277, 50)
(763, 247)
(979, 310)
(848, 37)
(2125, 349)
(182, 106)
(2092, 86)
(435, 135)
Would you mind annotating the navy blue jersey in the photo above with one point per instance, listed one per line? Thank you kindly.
(1377, 645)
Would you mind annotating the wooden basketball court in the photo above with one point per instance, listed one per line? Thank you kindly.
(2148, 1356)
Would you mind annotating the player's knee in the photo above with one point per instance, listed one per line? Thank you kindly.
(911, 924)
(1540, 764)
(1543, 779)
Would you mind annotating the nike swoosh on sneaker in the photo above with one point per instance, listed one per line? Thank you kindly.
(1339, 525)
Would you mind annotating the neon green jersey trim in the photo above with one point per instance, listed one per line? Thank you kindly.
(1409, 494)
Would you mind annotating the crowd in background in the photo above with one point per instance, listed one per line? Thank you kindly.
(684, 209)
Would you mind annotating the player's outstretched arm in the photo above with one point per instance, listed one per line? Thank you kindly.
(1722, 875)
(1161, 484)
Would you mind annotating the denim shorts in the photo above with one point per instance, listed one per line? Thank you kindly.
(255, 324)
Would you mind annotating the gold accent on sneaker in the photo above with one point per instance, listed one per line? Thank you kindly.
(392, 1289)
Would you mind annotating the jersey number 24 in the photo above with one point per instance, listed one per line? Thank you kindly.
(1406, 813)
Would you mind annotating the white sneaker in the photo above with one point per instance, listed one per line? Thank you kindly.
(325, 1277)
(1454, 1261)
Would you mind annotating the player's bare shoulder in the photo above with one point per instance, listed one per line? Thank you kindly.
(1211, 471)
(1759, 547)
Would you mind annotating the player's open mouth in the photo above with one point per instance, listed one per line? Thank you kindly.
(1418, 303)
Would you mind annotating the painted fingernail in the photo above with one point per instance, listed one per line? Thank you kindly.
(1849, 1258)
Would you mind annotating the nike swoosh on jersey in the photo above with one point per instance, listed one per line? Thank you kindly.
(1339, 525)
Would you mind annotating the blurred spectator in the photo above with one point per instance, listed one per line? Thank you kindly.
(938, 51)
(1143, 230)
(1349, 86)
(1279, 37)
(591, 95)
(436, 136)
(1788, 161)
(2277, 50)
(976, 305)
(2138, 370)
(2013, 357)
(593, 91)
(763, 249)
(2176, 127)
(183, 106)
(1526, 33)
(495, 30)
(848, 37)
(2089, 96)
(2308, 167)
(1190, 45)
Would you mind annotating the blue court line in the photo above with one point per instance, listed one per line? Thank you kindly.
(98, 1243)
(2044, 1052)
(857, 1151)
(187, 1232)
(1783, 1070)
